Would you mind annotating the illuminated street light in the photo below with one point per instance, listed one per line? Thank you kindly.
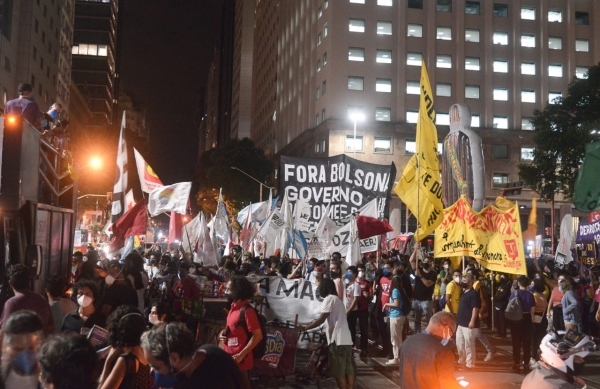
(355, 117)
(95, 163)
(261, 184)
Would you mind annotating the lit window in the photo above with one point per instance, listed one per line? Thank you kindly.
(413, 88)
(325, 6)
(555, 43)
(75, 49)
(500, 38)
(528, 40)
(471, 35)
(355, 83)
(416, 4)
(356, 25)
(444, 5)
(414, 59)
(317, 144)
(500, 66)
(527, 153)
(383, 85)
(528, 96)
(318, 66)
(356, 54)
(412, 116)
(444, 33)
(83, 49)
(410, 147)
(581, 72)
(358, 1)
(500, 122)
(475, 121)
(103, 50)
(555, 70)
(555, 15)
(354, 110)
(324, 58)
(442, 119)
(552, 96)
(499, 180)
(385, 3)
(500, 151)
(527, 13)
(384, 28)
(582, 45)
(383, 114)
(319, 39)
(325, 30)
(526, 124)
(472, 63)
(319, 13)
(444, 61)
(354, 144)
(501, 94)
(472, 8)
(415, 30)
(384, 56)
(582, 18)
(528, 68)
(471, 91)
(382, 145)
(443, 89)
(501, 10)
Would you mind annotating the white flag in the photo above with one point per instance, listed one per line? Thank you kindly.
(118, 204)
(221, 220)
(190, 233)
(206, 250)
(170, 198)
(148, 179)
(129, 200)
(302, 215)
(353, 253)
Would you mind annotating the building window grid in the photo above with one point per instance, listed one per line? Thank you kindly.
(472, 63)
(500, 10)
(383, 85)
(382, 145)
(500, 66)
(414, 30)
(527, 13)
(527, 40)
(582, 45)
(500, 94)
(528, 68)
(444, 33)
(555, 16)
(472, 91)
(444, 61)
(499, 180)
(443, 89)
(555, 43)
(383, 114)
(500, 122)
(384, 56)
(356, 54)
(384, 27)
(354, 144)
(356, 25)
(472, 35)
(500, 38)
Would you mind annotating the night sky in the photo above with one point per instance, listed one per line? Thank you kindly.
(166, 50)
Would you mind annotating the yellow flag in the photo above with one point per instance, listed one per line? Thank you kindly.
(420, 187)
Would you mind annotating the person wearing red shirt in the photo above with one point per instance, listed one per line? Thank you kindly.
(236, 340)
(185, 288)
(366, 293)
(385, 283)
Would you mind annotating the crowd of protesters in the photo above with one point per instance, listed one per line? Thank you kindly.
(138, 301)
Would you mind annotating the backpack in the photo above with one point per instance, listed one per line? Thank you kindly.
(514, 311)
(259, 351)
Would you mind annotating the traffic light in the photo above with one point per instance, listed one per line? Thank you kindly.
(12, 122)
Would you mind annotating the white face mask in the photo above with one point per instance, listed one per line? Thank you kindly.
(361, 274)
(446, 266)
(192, 270)
(84, 300)
(110, 279)
(153, 319)
(457, 280)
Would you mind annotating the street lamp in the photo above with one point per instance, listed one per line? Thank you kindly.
(355, 117)
(261, 184)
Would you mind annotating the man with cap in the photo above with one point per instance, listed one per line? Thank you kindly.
(25, 106)
(467, 320)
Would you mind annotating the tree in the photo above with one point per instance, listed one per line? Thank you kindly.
(214, 172)
(561, 132)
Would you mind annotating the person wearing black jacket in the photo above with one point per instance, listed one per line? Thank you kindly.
(500, 303)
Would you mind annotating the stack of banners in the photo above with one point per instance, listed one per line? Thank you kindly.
(588, 239)
(345, 183)
(170, 198)
(587, 186)
(563, 254)
(284, 299)
(492, 236)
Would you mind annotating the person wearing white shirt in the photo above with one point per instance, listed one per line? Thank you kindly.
(351, 300)
(310, 270)
(333, 314)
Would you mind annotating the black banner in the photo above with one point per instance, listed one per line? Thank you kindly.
(347, 183)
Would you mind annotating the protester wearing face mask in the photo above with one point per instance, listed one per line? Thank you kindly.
(445, 276)
(335, 275)
(159, 312)
(468, 323)
(385, 284)
(423, 293)
(319, 274)
(500, 303)
(453, 293)
(85, 316)
(22, 335)
(170, 350)
(351, 300)
(366, 293)
(428, 349)
(310, 267)
(119, 290)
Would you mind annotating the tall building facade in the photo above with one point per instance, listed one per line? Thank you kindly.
(95, 57)
(31, 49)
(504, 59)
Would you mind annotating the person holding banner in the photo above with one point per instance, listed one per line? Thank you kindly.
(341, 362)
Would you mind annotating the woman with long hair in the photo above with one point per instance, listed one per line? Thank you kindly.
(396, 317)
(570, 305)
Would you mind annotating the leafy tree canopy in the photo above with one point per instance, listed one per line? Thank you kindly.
(561, 132)
(215, 171)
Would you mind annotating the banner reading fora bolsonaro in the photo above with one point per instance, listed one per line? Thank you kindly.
(492, 236)
(346, 183)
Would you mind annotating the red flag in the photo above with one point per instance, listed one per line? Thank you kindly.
(175, 227)
(133, 222)
(370, 226)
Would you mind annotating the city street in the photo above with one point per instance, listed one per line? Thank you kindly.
(496, 374)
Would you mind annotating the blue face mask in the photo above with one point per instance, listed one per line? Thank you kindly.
(348, 276)
(309, 267)
(560, 289)
(386, 272)
(281, 260)
(373, 276)
(262, 267)
(531, 288)
(25, 362)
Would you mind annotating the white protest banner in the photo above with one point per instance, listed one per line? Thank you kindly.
(272, 226)
(348, 184)
(302, 215)
(341, 239)
(170, 198)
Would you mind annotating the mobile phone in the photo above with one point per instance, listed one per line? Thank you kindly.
(463, 383)
(412, 276)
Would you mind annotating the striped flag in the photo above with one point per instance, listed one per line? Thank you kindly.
(118, 205)
(148, 179)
